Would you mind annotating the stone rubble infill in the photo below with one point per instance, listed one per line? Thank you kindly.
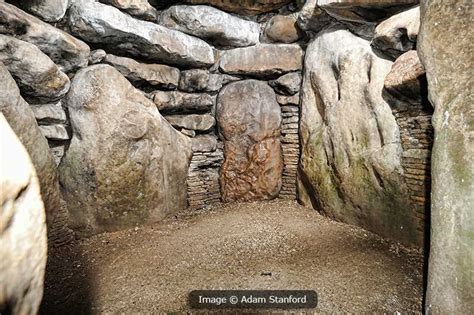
(290, 148)
(203, 179)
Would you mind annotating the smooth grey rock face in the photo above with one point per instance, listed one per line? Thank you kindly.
(175, 101)
(47, 10)
(97, 56)
(51, 113)
(141, 9)
(246, 7)
(350, 165)
(445, 46)
(195, 122)
(204, 143)
(398, 33)
(66, 51)
(37, 76)
(99, 23)
(125, 165)
(54, 132)
(139, 73)
(288, 84)
(211, 24)
(282, 29)
(22, 228)
(249, 123)
(200, 80)
(263, 60)
(311, 17)
(22, 120)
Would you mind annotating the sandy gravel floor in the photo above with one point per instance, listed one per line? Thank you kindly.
(264, 245)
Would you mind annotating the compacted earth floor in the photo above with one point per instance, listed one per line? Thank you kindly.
(259, 245)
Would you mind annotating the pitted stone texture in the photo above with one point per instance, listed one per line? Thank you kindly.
(211, 24)
(175, 101)
(67, 52)
(351, 154)
(47, 10)
(140, 9)
(445, 46)
(36, 75)
(249, 123)
(125, 165)
(264, 60)
(282, 29)
(142, 73)
(201, 80)
(22, 120)
(100, 23)
(398, 33)
(22, 228)
(244, 7)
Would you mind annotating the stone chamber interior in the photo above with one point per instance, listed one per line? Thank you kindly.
(151, 148)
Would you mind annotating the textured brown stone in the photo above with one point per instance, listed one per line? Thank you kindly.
(282, 29)
(245, 7)
(249, 122)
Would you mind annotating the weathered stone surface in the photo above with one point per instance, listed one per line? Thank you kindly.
(125, 165)
(141, 73)
(287, 84)
(97, 56)
(200, 80)
(406, 77)
(289, 100)
(204, 143)
(106, 25)
(197, 122)
(47, 10)
(211, 24)
(49, 113)
(282, 29)
(350, 165)
(22, 120)
(249, 123)
(141, 9)
(36, 75)
(244, 7)
(398, 33)
(445, 46)
(66, 51)
(311, 17)
(175, 101)
(54, 132)
(22, 228)
(362, 11)
(262, 60)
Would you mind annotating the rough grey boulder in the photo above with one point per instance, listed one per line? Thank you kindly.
(201, 80)
(262, 60)
(22, 228)
(175, 101)
(141, 9)
(350, 167)
(67, 52)
(288, 84)
(52, 113)
(47, 10)
(161, 76)
(445, 46)
(245, 7)
(249, 122)
(125, 165)
(37, 76)
(196, 122)
(106, 25)
(398, 33)
(22, 120)
(55, 132)
(211, 24)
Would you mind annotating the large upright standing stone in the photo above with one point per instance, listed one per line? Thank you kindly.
(446, 50)
(249, 122)
(350, 166)
(125, 165)
(22, 120)
(22, 228)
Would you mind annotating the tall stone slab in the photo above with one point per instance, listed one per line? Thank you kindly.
(446, 50)
(249, 122)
